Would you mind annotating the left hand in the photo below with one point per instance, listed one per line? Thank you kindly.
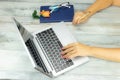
(78, 17)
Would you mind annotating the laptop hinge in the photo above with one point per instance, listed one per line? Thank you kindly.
(42, 54)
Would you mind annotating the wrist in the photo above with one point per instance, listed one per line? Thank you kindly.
(88, 13)
(90, 51)
(98, 6)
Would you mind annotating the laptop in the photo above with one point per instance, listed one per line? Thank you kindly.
(44, 48)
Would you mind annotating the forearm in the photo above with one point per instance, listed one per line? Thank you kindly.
(112, 54)
(98, 5)
(116, 3)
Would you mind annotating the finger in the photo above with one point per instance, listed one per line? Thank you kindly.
(75, 20)
(70, 55)
(68, 50)
(80, 21)
(77, 14)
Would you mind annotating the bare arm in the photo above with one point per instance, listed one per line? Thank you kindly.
(80, 17)
(116, 3)
(99, 5)
(112, 54)
(78, 49)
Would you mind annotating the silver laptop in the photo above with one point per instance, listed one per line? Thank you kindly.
(44, 48)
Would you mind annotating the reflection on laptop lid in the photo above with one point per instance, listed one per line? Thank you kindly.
(24, 33)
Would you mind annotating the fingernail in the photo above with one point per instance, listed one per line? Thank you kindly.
(63, 48)
(63, 57)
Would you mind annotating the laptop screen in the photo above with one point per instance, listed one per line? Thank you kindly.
(24, 33)
(21, 29)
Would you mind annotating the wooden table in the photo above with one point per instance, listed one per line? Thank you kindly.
(102, 30)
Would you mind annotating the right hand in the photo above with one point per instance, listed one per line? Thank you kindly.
(78, 18)
(75, 49)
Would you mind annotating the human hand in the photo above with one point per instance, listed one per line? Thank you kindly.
(80, 17)
(74, 50)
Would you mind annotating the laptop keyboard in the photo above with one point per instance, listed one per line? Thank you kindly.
(52, 49)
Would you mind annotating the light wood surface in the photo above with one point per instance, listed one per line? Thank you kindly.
(102, 29)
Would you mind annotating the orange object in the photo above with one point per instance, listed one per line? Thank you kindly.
(45, 13)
